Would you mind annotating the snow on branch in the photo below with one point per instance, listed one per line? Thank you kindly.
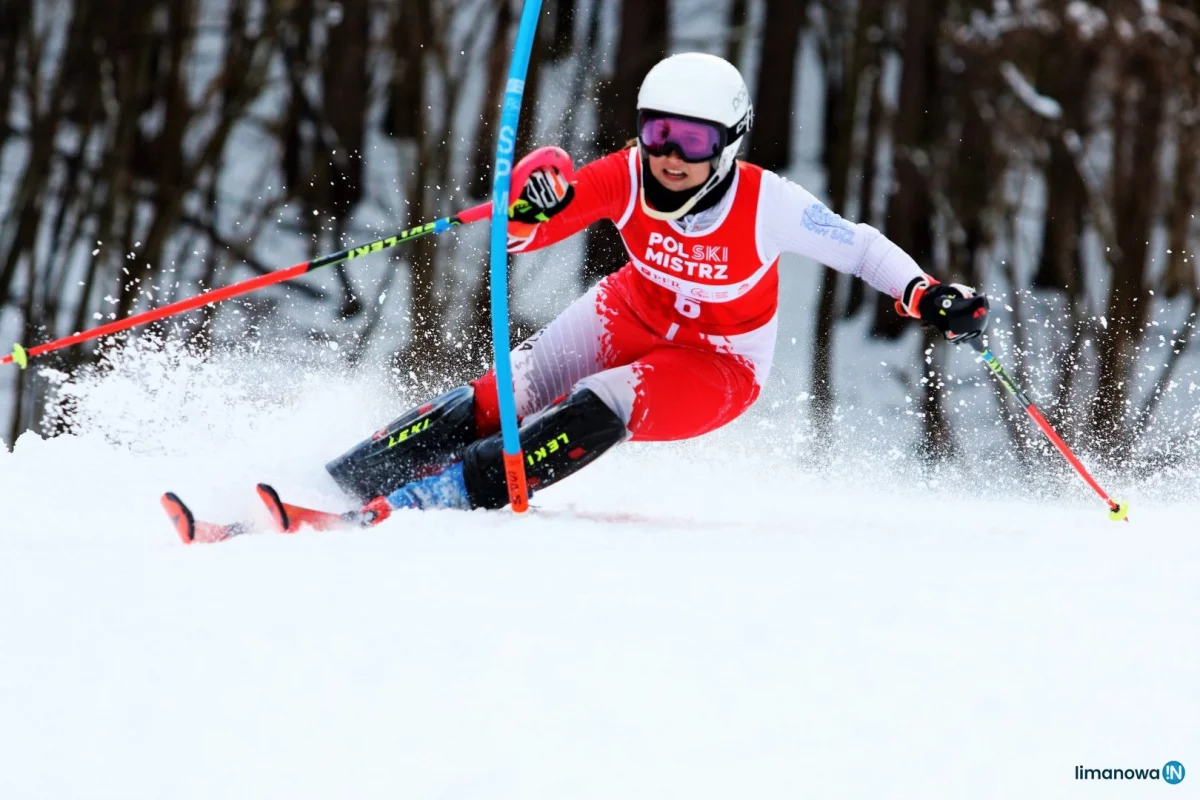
(1089, 21)
(1038, 103)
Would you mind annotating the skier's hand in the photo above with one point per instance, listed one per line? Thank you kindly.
(953, 309)
(545, 193)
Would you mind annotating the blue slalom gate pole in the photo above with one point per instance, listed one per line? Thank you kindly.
(506, 141)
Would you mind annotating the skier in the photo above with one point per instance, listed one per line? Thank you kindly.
(676, 343)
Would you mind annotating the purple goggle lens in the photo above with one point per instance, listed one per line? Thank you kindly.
(694, 141)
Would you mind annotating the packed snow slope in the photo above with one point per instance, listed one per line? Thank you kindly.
(708, 620)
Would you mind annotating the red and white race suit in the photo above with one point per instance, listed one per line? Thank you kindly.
(679, 341)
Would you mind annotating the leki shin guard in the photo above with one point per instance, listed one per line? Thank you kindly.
(557, 442)
(422, 441)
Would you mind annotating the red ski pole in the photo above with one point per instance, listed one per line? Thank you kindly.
(21, 355)
(542, 157)
(1116, 510)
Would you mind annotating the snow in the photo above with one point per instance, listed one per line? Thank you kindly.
(1089, 20)
(711, 619)
(1039, 104)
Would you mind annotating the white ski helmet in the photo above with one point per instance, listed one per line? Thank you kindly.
(700, 87)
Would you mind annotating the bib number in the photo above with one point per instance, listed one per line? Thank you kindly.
(686, 306)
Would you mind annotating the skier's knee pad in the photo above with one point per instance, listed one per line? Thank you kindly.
(557, 442)
(427, 437)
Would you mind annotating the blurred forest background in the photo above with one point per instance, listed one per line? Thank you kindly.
(153, 148)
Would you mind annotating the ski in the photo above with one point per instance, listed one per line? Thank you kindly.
(290, 518)
(192, 530)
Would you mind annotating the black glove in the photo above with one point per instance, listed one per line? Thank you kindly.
(953, 309)
(545, 193)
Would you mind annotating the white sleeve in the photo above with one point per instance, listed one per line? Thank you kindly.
(792, 220)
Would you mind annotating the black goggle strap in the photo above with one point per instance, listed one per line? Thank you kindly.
(742, 127)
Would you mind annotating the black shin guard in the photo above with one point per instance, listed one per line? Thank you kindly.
(557, 442)
(428, 436)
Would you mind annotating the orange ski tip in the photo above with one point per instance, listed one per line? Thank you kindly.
(276, 506)
(514, 473)
(180, 517)
(291, 518)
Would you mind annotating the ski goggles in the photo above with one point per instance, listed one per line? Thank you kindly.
(693, 140)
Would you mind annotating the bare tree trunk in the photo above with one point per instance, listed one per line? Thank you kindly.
(405, 117)
(642, 44)
(345, 96)
(910, 209)
(1180, 276)
(14, 17)
(24, 379)
(569, 138)
(46, 118)
(1135, 187)
(489, 111)
(561, 34)
(295, 43)
(867, 185)
(969, 175)
(165, 155)
(844, 47)
(937, 440)
(529, 105)
(1067, 72)
(424, 353)
(737, 24)
(774, 108)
